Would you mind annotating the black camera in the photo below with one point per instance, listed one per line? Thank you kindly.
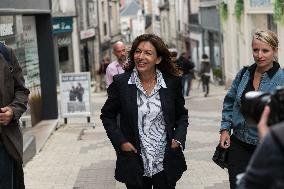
(254, 102)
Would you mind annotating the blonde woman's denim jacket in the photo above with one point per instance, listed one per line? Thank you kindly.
(232, 118)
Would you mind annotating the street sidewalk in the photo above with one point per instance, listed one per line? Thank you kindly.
(202, 138)
(77, 156)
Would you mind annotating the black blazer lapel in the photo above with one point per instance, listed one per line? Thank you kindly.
(164, 95)
(133, 108)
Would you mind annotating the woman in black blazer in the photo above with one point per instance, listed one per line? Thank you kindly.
(150, 132)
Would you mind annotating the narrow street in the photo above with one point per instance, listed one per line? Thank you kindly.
(78, 156)
(57, 55)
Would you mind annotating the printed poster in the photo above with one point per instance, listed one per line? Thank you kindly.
(75, 94)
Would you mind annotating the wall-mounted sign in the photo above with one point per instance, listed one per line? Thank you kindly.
(259, 7)
(64, 41)
(62, 24)
(6, 29)
(260, 3)
(87, 33)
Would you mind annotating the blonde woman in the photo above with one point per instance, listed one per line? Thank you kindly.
(264, 75)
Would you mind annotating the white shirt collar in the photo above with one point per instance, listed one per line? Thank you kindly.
(134, 78)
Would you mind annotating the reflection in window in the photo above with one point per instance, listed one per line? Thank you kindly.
(271, 24)
(63, 54)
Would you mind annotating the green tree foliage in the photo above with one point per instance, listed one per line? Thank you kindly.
(239, 9)
(278, 6)
(224, 11)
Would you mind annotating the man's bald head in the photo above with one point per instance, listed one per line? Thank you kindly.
(119, 50)
(117, 45)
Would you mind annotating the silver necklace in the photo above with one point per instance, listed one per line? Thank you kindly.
(148, 86)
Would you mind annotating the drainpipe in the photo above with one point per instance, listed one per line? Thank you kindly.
(109, 25)
(99, 32)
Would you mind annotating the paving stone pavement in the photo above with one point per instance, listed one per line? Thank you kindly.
(78, 156)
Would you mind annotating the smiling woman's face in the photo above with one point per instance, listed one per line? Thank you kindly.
(145, 57)
(263, 54)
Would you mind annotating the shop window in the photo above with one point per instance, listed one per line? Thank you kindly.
(105, 29)
(271, 24)
(63, 53)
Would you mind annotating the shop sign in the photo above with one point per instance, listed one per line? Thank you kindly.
(260, 3)
(6, 29)
(64, 41)
(260, 6)
(87, 33)
(62, 24)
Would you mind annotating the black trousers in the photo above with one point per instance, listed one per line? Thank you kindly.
(205, 83)
(11, 172)
(158, 181)
(239, 155)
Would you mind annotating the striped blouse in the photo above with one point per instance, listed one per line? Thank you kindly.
(151, 125)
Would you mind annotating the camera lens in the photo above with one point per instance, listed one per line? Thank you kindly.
(253, 104)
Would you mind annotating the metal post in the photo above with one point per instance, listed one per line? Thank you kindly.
(189, 42)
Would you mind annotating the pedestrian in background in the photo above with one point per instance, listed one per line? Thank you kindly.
(187, 66)
(264, 75)
(153, 120)
(173, 55)
(116, 67)
(102, 72)
(205, 74)
(265, 169)
(14, 98)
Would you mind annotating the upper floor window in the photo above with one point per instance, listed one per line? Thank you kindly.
(103, 9)
(105, 28)
(91, 19)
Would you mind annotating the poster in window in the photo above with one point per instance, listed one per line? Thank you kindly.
(31, 52)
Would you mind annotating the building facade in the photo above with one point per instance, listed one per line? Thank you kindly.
(174, 24)
(211, 31)
(25, 25)
(195, 28)
(238, 34)
(132, 21)
(87, 23)
(152, 16)
(115, 21)
(65, 36)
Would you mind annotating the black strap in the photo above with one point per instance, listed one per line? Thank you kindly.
(243, 71)
(4, 51)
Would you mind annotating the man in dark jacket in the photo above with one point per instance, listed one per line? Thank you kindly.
(187, 67)
(13, 101)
